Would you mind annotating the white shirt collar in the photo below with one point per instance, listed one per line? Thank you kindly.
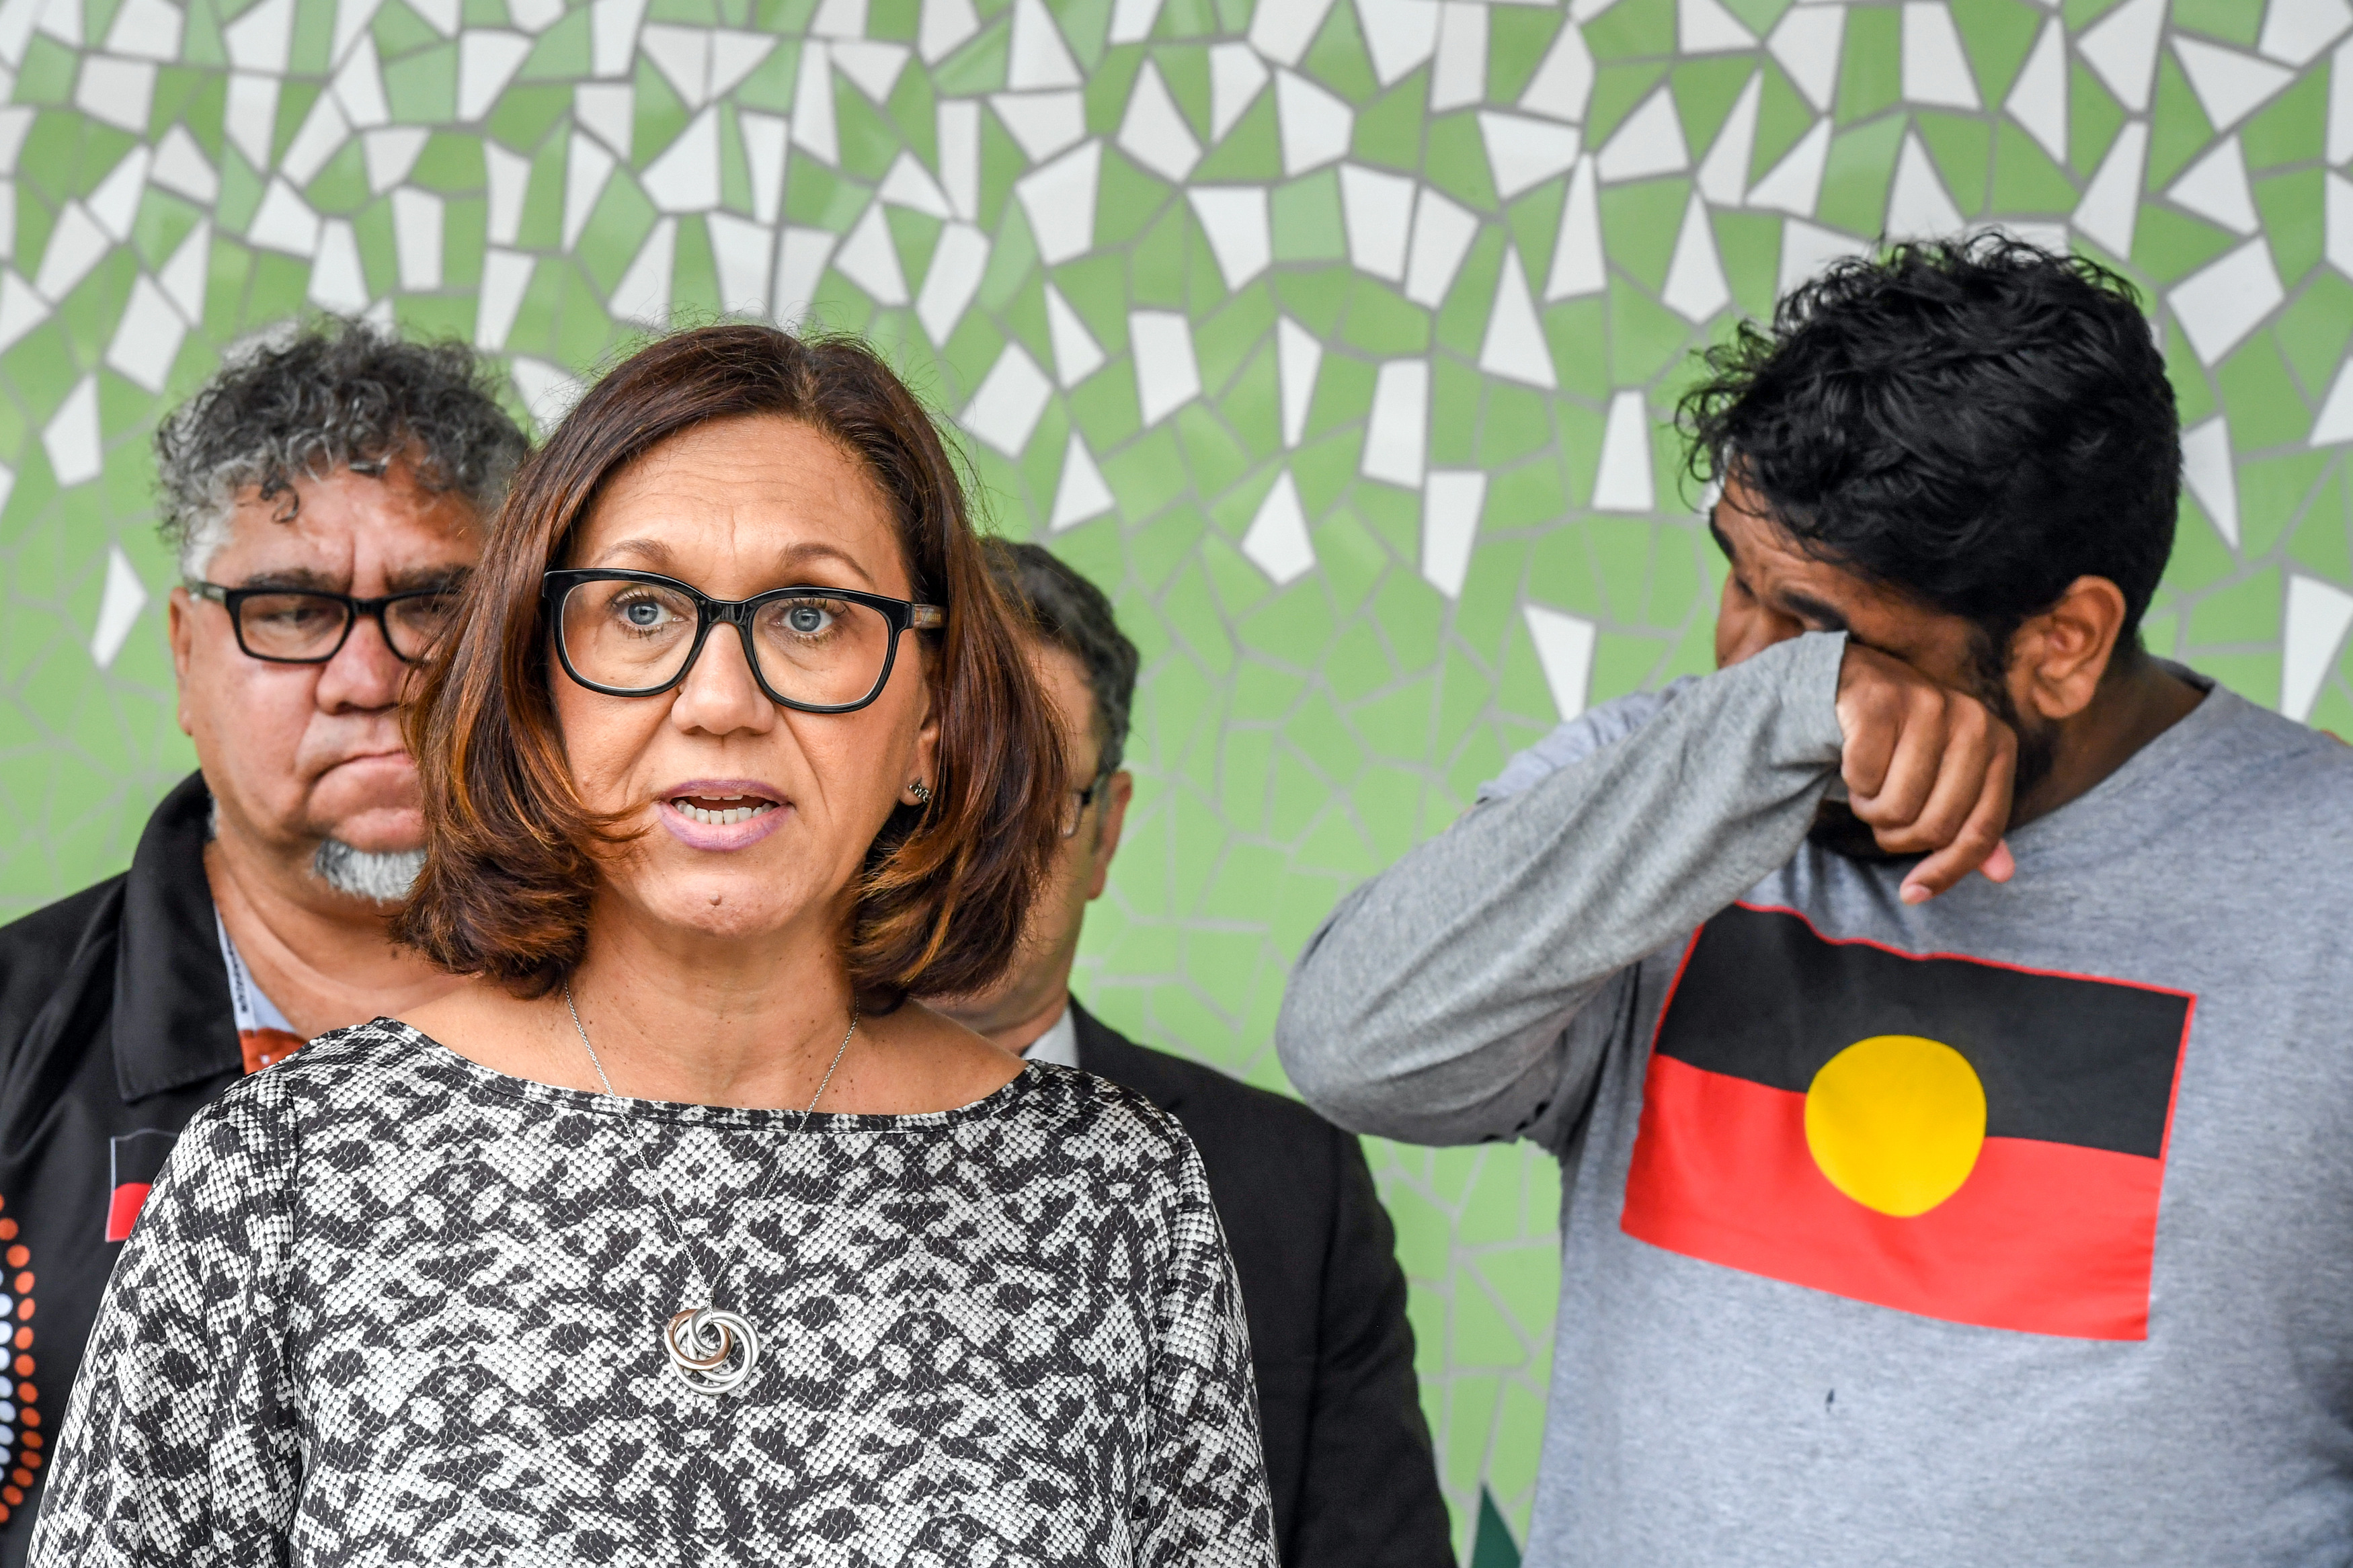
(1059, 1045)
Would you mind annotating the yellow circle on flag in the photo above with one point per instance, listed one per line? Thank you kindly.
(1895, 1122)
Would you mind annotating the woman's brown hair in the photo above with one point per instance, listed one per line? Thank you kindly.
(513, 854)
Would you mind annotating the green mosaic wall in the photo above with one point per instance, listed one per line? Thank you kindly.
(1332, 335)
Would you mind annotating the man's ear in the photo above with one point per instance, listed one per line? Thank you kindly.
(1109, 817)
(2059, 657)
(181, 631)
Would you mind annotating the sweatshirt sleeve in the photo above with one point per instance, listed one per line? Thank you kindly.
(179, 1443)
(1202, 1499)
(1453, 997)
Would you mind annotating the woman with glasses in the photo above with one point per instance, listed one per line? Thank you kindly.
(677, 1233)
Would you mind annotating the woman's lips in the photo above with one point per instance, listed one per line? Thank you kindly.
(709, 819)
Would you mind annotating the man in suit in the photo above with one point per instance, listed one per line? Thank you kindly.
(1347, 1452)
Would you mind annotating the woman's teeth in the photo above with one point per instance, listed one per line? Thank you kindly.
(719, 816)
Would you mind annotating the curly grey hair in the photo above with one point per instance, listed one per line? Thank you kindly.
(303, 401)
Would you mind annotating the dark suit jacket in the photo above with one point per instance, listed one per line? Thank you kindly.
(1347, 1453)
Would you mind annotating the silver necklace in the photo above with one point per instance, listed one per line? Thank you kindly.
(711, 1349)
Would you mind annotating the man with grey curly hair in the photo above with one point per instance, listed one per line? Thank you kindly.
(327, 493)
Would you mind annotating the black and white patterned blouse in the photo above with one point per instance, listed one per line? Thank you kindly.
(388, 1306)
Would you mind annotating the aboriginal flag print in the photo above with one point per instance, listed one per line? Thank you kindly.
(1935, 1134)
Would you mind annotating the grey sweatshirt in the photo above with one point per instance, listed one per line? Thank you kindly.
(2125, 1338)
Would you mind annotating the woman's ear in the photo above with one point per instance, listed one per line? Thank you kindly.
(924, 757)
(2059, 657)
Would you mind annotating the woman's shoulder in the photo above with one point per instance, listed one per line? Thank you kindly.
(1103, 1123)
(363, 1066)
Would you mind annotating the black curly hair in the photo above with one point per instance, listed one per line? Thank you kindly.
(308, 399)
(1975, 421)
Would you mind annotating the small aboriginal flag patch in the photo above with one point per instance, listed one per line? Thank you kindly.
(1962, 1139)
(134, 1160)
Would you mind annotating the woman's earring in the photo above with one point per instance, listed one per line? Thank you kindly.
(922, 792)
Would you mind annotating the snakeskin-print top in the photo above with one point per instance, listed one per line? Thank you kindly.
(386, 1305)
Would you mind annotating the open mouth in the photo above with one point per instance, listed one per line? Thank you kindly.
(721, 810)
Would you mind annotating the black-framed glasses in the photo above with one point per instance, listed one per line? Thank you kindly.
(306, 626)
(635, 634)
(1075, 803)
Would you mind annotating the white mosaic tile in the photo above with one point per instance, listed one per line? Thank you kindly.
(1935, 69)
(1623, 483)
(1152, 131)
(2209, 474)
(1298, 357)
(1513, 346)
(72, 439)
(1579, 266)
(1705, 28)
(2318, 614)
(118, 604)
(1442, 232)
(2121, 48)
(1564, 645)
(2110, 210)
(2221, 302)
(1452, 500)
(685, 177)
(1059, 201)
(1376, 214)
(2215, 186)
(869, 259)
(1080, 494)
(1315, 124)
(1010, 402)
(338, 277)
(1397, 433)
(743, 252)
(1695, 287)
(1240, 228)
(1277, 541)
(1077, 355)
(1037, 56)
(1650, 142)
(2230, 85)
(1399, 35)
(959, 262)
(1563, 83)
(1808, 42)
(2038, 98)
(1167, 376)
(1523, 154)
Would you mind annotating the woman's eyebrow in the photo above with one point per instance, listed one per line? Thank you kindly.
(817, 549)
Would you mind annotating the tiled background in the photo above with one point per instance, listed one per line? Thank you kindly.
(1332, 335)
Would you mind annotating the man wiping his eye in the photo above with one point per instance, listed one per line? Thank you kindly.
(1939, 1013)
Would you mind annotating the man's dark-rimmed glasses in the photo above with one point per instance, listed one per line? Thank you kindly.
(310, 625)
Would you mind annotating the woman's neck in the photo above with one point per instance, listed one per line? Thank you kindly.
(690, 1018)
(712, 1020)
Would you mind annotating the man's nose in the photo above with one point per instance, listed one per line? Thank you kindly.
(364, 673)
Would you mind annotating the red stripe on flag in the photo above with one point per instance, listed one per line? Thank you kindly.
(123, 1209)
(2045, 1239)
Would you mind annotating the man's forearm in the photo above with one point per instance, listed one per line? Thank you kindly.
(1433, 1005)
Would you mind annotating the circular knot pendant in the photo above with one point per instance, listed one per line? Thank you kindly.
(713, 1349)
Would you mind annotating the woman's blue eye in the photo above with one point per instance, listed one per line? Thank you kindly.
(806, 618)
(643, 613)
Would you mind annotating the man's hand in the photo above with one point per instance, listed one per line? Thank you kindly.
(1928, 770)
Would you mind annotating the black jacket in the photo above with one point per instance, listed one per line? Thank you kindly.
(115, 1026)
(1347, 1452)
